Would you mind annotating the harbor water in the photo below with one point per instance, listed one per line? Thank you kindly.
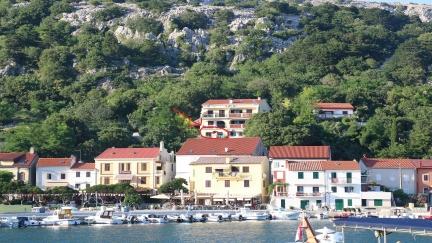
(249, 231)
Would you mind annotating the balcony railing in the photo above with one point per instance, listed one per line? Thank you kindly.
(230, 175)
(313, 194)
(281, 194)
(240, 115)
(125, 172)
(237, 125)
(214, 115)
(341, 181)
(333, 116)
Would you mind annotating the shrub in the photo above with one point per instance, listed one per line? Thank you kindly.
(109, 13)
(145, 25)
(191, 19)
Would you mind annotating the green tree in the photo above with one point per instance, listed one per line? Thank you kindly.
(174, 185)
(6, 176)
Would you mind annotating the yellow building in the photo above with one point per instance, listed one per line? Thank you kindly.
(21, 164)
(239, 180)
(145, 168)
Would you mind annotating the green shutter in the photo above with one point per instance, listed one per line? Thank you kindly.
(378, 202)
(350, 202)
(315, 175)
(349, 175)
(300, 175)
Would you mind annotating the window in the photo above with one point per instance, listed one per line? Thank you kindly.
(315, 175)
(21, 176)
(208, 134)
(245, 169)
(426, 190)
(315, 189)
(88, 173)
(62, 176)
(211, 123)
(349, 177)
(333, 175)
(235, 169)
(349, 189)
(300, 175)
(49, 176)
(157, 180)
(300, 189)
(318, 203)
(425, 177)
(107, 167)
(227, 183)
(210, 112)
(208, 169)
(233, 133)
(106, 180)
(143, 166)
(350, 202)
(172, 167)
(143, 180)
(334, 189)
(248, 110)
(77, 186)
(246, 183)
(207, 183)
(125, 167)
(78, 174)
(364, 202)
(345, 112)
(378, 202)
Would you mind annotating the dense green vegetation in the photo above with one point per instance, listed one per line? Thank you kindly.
(74, 92)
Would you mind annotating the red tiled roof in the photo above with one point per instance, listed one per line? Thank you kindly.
(54, 162)
(83, 166)
(129, 153)
(300, 152)
(305, 166)
(341, 165)
(212, 146)
(234, 101)
(422, 163)
(20, 159)
(323, 105)
(384, 163)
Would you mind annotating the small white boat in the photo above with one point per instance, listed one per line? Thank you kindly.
(283, 214)
(322, 215)
(11, 222)
(175, 218)
(329, 236)
(104, 216)
(29, 221)
(152, 218)
(61, 217)
(219, 217)
(248, 214)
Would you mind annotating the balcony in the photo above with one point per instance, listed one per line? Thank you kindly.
(341, 180)
(242, 126)
(125, 172)
(281, 194)
(214, 115)
(230, 176)
(333, 116)
(240, 115)
(313, 194)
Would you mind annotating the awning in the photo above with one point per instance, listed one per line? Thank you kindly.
(124, 177)
(161, 196)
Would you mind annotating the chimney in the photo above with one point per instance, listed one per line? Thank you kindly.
(227, 160)
(226, 149)
(161, 146)
(231, 101)
(32, 150)
(74, 160)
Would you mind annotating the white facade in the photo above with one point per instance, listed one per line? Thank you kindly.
(228, 119)
(334, 113)
(392, 178)
(48, 177)
(81, 179)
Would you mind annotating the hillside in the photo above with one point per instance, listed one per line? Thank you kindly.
(86, 75)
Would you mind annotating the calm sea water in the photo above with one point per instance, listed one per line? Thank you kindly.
(269, 231)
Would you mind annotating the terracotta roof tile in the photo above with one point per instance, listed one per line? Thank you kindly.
(217, 146)
(12, 156)
(54, 162)
(83, 166)
(323, 105)
(305, 165)
(385, 163)
(234, 101)
(300, 152)
(129, 153)
(341, 165)
(233, 160)
(422, 163)
(20, 159)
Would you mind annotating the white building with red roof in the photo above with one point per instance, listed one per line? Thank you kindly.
(333, 110)
(195, 148)
(227, 117)
(391, 173)
(55, 172)
(21, 164)
(143, 168)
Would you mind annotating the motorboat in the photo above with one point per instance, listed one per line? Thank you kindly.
(219, 217)
(248, 214)
(61, 217)
(200, 217)
(28, 221)
(322, 215)
(152, 218)
(283, 214)
(329, 236)
(175, 218)
(11, 222)
(104, 216)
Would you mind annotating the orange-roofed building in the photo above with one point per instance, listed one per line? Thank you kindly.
(21, 164)
(424, 176)
(333, 110)
(227, 117)
(143, 168)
